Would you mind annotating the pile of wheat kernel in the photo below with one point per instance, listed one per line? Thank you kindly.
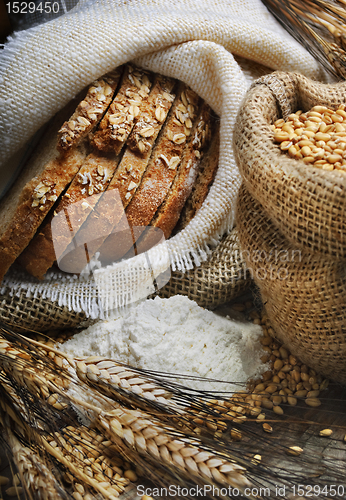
(95, 457)
(318, 137)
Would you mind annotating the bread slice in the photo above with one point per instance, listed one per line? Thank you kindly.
(108, 216)
(117, 123)
(89, 111)
(206, 173)
(41, 182)
(75, 205)
(164, 162)
(167, 215)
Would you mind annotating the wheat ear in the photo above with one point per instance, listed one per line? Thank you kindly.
(36, 477)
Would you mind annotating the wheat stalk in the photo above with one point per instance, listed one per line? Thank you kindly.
(34, 467)
(36, 477)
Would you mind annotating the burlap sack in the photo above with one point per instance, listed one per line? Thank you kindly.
(216, 281)
(222, 278)
(307, 204)
(304, 294)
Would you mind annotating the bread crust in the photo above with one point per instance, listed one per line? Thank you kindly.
(167, 216)
(41, 254)
(206, 173)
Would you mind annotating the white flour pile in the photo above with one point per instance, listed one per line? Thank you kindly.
(177, 336)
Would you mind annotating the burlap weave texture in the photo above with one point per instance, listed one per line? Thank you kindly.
(304, 294)
(35, 314)
(307, 204)
(25, 303)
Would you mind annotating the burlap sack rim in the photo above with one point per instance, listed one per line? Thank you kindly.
(290, 166)
(215, 282)
(290, 179)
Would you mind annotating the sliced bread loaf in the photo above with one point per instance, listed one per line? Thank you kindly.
(100, 171)
(149, 157)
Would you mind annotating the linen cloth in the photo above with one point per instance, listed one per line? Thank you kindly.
(217, 47)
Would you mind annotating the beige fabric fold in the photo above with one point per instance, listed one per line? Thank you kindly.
(26, 304)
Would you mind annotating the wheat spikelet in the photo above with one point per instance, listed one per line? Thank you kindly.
(36, 477)
(115, 379)
(145, 434)
(319, 25)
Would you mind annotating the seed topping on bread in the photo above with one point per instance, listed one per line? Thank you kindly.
(95, 181)
(150, 122)
(44, 191)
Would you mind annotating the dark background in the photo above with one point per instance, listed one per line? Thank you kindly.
(10, 22)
